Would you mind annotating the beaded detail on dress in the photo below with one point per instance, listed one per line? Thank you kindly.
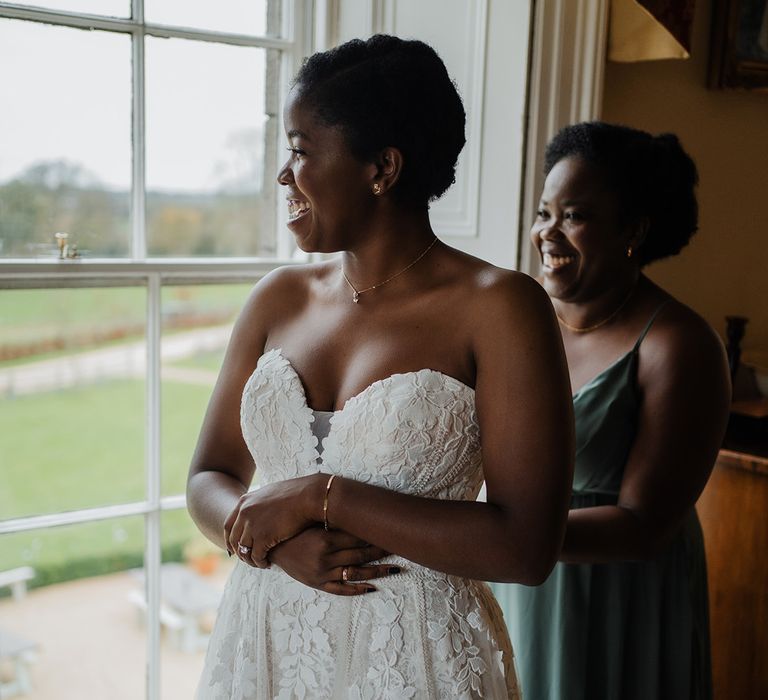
(422, 633)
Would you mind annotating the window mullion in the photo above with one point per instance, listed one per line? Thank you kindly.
(138, 139)
(66, 19)
(119, 24)
(77, 517)
(152, 551)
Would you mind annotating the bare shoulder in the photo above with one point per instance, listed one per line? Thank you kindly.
(679, 333)
(492, 291)
(275, 299)
(293, 280)
(284, 291)
(681, 347)
(509, 286)
(503, 313)
(512, 298)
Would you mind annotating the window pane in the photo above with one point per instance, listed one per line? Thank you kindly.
(87, 635)
(192, 580)
(65, 138)
(207, 193)
(197, 322)
(235, 16)
(72, 364)
(110, 8)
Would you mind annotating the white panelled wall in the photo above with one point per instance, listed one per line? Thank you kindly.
(484, 44)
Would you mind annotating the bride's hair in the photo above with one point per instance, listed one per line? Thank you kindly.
(387, 91)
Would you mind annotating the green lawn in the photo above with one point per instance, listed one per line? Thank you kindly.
(210, 361)
(85, 447)
(82, 448)
(28, 315)
(32, 315)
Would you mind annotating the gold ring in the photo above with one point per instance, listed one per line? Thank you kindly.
(345, 574)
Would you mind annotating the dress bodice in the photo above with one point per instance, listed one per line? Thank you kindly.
(414, 432)
(605, 411)
(421, 633)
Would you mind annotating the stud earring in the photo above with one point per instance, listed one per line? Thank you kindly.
(376, 188)
(629, 251)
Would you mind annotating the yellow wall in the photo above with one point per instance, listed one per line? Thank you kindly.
(724, 270)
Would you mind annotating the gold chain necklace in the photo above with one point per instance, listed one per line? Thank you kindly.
(357, 292)
(610, 317)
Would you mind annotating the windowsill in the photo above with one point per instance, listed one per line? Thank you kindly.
(81, 267)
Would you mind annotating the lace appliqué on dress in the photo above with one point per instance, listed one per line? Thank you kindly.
(422, 634)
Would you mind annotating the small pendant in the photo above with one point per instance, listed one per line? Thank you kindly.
(355, 297)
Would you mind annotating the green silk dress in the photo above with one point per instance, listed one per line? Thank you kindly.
(624, 630)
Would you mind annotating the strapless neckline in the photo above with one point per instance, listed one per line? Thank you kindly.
(370, 387)
(399, 432)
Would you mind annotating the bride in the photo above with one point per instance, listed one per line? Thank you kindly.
(374, 392)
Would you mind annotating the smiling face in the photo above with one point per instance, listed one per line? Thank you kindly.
(580, 234)
(329, 191)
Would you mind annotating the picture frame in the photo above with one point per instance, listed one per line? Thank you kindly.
(738, 56)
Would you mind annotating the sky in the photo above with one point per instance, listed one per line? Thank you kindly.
(66, 94)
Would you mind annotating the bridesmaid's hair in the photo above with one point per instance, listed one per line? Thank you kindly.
(387, 91)
(653, 177)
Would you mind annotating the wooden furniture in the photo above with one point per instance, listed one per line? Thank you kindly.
(734, 516)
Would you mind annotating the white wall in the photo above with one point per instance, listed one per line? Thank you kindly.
(484, 44)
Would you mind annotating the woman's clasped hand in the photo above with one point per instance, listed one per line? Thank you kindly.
(261, 531)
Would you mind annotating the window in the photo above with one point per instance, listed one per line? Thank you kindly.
(141, 138)
(139, 145)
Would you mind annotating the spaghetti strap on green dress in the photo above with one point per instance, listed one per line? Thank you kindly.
(624, 630)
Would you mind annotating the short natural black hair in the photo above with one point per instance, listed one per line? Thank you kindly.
(652, 175)
(386, 91)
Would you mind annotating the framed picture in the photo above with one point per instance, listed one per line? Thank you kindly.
(739, 45)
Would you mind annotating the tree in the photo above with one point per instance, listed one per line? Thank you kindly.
(59, 195)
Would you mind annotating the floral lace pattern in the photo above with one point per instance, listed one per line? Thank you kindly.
(422, 634)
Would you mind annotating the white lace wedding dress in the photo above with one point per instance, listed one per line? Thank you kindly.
(422, 634)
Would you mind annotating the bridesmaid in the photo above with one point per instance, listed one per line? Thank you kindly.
(624, 613)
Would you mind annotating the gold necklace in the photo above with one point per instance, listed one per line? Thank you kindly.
(610, 317)
(357, 292)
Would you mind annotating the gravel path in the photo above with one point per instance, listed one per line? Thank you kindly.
(92, 642)
(128, 360)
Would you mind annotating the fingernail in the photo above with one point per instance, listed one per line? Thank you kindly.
(369, 589)
(393, 570)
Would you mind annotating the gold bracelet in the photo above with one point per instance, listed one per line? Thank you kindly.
(325, 501)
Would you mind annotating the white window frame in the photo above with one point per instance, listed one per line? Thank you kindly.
(152, 273)
(294, 44)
